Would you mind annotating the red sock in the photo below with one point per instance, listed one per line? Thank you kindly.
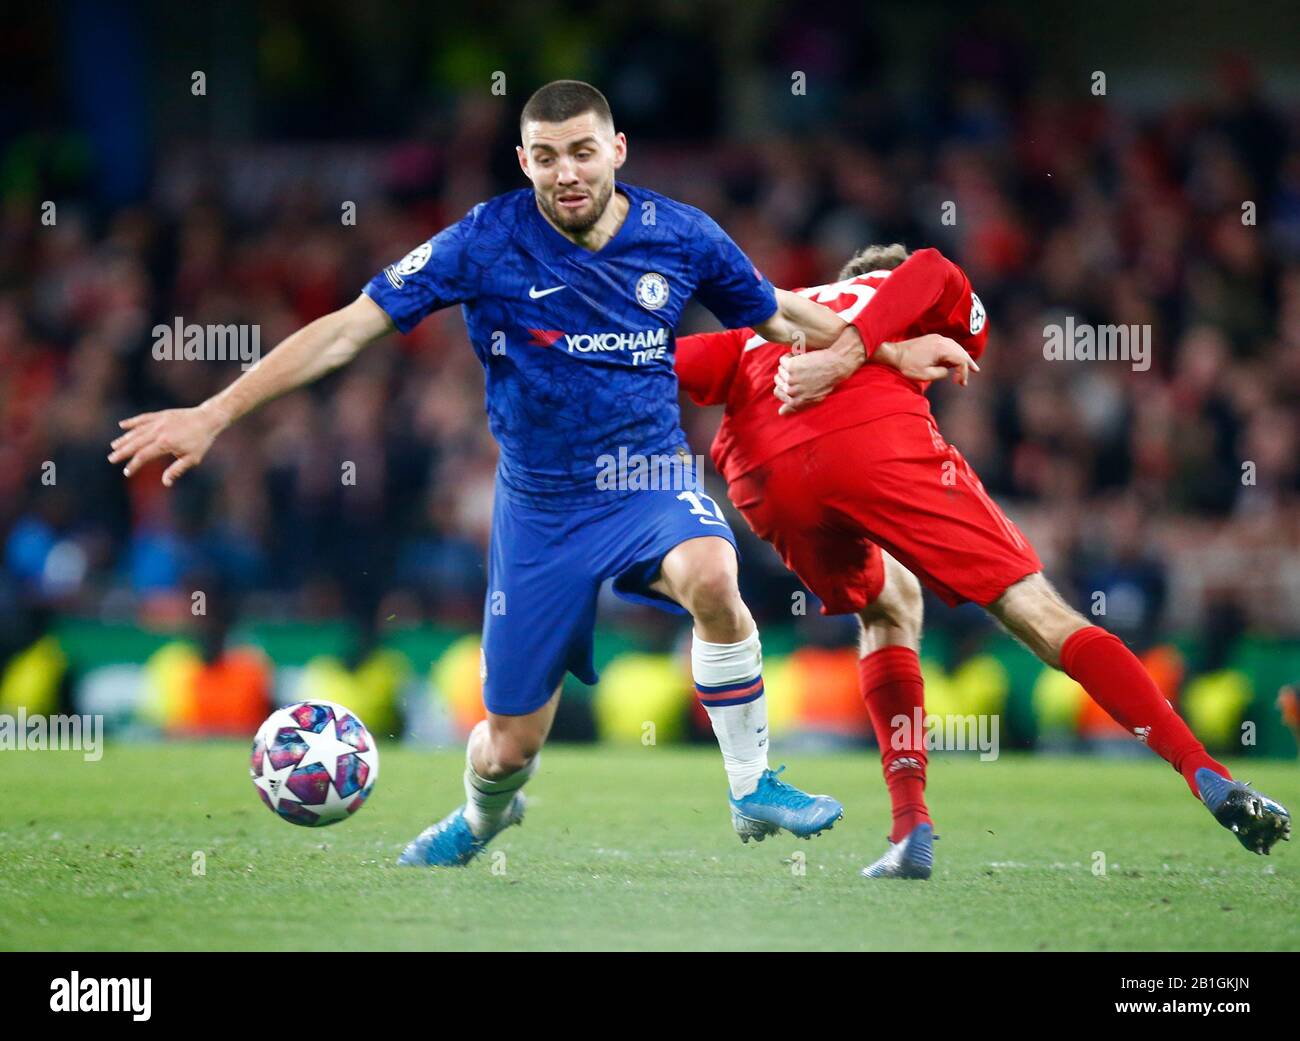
(891, 684)
(1114, 678)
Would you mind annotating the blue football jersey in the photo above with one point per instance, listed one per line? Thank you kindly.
(577, 345)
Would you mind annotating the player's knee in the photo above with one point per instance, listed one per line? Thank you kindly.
(715, 591)
(899, 607)
(908, 604)
(713, 597)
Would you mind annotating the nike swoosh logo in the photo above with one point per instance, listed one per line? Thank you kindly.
(534, 294)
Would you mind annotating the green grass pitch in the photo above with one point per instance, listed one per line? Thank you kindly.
(629, 849)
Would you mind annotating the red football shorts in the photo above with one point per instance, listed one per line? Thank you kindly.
(831, 504)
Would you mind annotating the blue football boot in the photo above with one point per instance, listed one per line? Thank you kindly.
(774, 805)
(451, 843)
(912, 857)
(1256, 820)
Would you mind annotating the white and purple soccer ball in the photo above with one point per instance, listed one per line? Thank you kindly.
(314, 763)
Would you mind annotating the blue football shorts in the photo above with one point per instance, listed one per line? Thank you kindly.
(545, 570)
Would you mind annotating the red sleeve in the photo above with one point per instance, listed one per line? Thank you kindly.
(927, 290)
(706, 364)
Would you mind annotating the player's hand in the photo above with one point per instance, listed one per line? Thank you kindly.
(805, 379)
(928, 358)
(184, 433)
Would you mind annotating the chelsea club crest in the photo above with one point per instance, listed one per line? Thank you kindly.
(652, 290)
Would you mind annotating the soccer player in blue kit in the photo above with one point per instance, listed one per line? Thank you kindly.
(571, 291)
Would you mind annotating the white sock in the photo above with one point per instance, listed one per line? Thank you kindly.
(486, 801)
(729, 683)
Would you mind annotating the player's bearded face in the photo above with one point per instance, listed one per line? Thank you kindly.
(571, 165)
(575, 208)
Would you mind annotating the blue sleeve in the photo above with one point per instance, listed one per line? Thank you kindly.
(729, 284)
(434, 275)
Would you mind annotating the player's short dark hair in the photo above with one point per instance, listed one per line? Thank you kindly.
(563, 99)
(875, 258)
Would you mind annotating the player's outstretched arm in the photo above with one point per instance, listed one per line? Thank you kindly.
(313, 351)
(802, 323)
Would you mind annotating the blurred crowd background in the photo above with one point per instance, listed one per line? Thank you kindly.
(1170, 199)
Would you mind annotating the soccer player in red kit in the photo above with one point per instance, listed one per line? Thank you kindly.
(849, 478)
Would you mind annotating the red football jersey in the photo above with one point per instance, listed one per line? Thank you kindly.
(927, 293)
